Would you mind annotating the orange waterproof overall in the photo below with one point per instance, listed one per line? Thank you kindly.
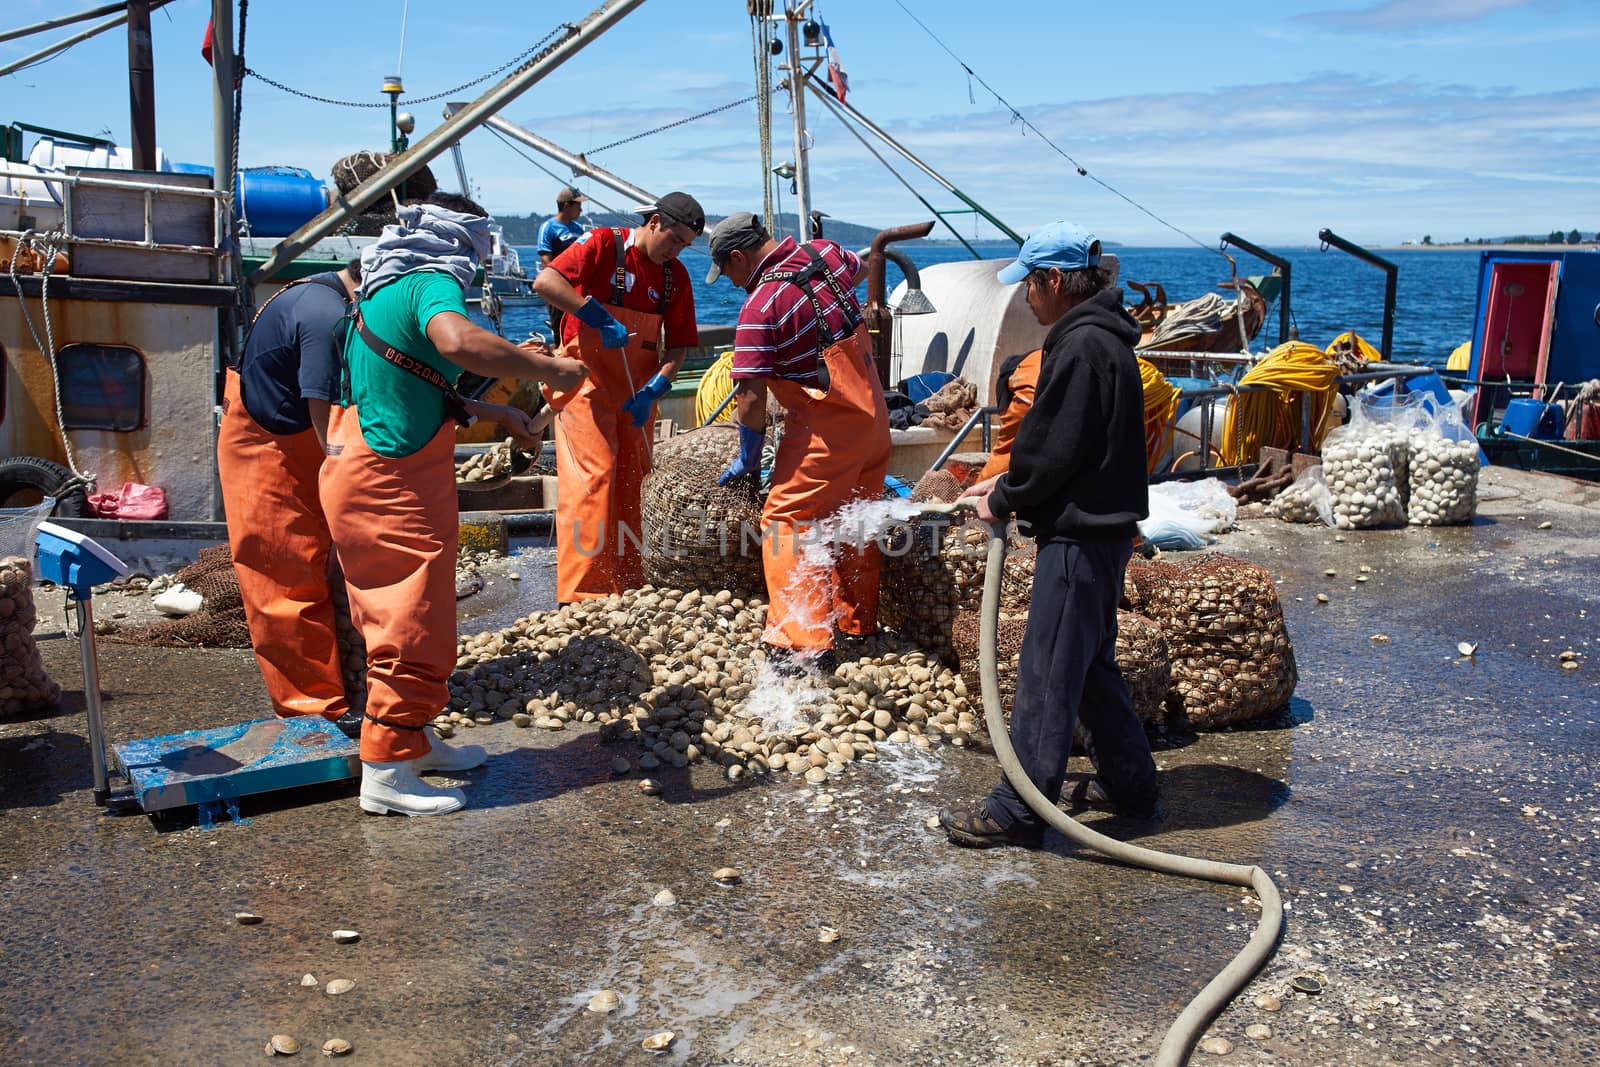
(1021, 383)
(601, 456)
(395, 523)
(835, 450)
(280, 546)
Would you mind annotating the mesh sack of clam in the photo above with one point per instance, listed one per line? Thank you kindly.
(24, 684)
(677, 675)
(352, 646)
(1231, 657)
(698, 534)
(1141, 655)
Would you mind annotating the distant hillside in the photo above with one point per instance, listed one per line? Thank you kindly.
(524, 229)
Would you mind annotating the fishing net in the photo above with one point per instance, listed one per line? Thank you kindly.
(220, 622)
(1231, 657)
(24, 684)
(698, 534)
(357, 167)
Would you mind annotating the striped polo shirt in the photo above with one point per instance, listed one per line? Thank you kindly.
(777, 335)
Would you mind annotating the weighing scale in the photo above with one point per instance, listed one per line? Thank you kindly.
(195, 767)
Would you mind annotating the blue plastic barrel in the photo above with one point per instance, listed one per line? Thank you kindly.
(273, 201)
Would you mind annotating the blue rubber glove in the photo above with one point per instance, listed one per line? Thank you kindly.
(612, 333)
(751, 442)
(639, 404)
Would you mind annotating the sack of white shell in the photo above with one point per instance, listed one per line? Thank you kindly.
(1365, 465)
(1443, 470)
(1307, 500)
(24, 685)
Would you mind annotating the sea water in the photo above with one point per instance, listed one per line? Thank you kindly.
(1332, 291)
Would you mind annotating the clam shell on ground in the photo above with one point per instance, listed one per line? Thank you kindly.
(604, 1002)
(1467, 648)
(309, 980)
(339, 985)
(282, 1045)
(658, 1042)
(337, 1046)
(664, 899)
(245, 918)
(726, 876)
(346, 937)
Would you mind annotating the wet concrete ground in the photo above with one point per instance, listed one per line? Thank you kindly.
(1430, 819)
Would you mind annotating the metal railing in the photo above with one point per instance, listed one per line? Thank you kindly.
(71, 182)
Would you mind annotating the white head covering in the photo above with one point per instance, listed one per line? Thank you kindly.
(427, 237)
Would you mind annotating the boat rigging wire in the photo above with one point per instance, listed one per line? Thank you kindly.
(838, 114)
(52, 244)
(670, 126)
(564, 181)
(1018, 117)
(526, 54)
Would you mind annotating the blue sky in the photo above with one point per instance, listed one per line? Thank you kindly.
(1382, 119)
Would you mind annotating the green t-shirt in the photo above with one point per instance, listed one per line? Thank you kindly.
(399, 411)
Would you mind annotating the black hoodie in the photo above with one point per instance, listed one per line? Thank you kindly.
(1078, 463)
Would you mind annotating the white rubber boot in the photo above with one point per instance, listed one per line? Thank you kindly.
(395, 787)
(443, 758)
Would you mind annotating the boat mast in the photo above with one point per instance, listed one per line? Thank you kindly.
(792, 17)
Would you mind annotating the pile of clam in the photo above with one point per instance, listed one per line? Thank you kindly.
(490, 465)
(1366, 476)
(1443, 480)
(24, 685)
(680, 675)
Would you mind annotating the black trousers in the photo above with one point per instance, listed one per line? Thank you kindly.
(1068, 669)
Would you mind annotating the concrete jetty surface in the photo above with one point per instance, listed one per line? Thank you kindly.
(1431, 820)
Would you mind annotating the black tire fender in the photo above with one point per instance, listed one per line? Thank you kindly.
(23, 473)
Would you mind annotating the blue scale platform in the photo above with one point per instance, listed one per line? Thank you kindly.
(203, 766)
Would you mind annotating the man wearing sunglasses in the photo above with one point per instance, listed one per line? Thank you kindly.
(629, 316)
(800, 337)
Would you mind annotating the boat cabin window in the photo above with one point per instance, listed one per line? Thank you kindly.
(102, 387)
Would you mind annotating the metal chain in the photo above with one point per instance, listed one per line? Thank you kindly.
(565, 27)
(236, 222)
(670, 126)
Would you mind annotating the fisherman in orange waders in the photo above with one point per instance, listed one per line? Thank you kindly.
(1019, 376)
(269, 450)
(388, 485)
(632, 345)
(800, 336)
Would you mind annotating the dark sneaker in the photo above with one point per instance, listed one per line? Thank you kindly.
(973, 828)
(1090, 794)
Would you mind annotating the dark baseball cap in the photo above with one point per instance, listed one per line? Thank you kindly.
(679, 209)
(738, 231)
(569, 195)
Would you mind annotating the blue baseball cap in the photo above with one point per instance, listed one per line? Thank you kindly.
(1062, 245)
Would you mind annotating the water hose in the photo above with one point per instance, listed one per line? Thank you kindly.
(1209, 1002)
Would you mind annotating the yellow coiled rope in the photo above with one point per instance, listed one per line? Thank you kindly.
(1160, 406)
(715, 385)
(1296, 374)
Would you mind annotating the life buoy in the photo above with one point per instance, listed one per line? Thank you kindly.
(27, 480)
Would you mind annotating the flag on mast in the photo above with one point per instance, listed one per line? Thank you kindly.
(836, 72)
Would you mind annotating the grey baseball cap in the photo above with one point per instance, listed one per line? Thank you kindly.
(738, 231)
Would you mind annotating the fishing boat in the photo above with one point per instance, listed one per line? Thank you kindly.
(1535, 361)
